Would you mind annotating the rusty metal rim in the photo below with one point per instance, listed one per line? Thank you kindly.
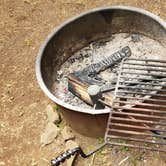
(56, 30)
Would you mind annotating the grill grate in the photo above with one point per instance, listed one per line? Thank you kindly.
(138, 110)
(138, 116)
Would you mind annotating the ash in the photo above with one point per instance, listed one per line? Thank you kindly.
(140, 45)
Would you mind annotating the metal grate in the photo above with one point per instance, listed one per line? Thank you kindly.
(138, 116)
(138, 111)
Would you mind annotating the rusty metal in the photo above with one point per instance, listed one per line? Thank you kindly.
(139, 111)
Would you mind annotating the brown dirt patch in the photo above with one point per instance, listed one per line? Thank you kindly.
(24, 25)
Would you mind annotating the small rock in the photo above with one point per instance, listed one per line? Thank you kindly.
(109, 164)
(144, 161)
(50, 133)
(34, 162)
(59, 75)
(21, 114)
(135, 37)
(52, 115)
(2, 163)
(114, 151)
(67, 133)
(70, 145)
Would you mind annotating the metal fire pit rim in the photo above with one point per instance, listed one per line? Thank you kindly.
(57, 29)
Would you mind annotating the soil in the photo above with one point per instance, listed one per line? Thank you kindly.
(24, 25)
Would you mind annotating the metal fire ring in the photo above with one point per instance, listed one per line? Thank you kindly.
(56, 30)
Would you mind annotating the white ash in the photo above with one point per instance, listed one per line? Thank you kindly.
(141, 47)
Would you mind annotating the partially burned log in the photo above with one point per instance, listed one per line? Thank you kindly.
(80, 89)
(79, 81)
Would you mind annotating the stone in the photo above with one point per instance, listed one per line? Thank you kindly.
(50, 133)
(70, 145)
(135, 37)
(114, 151)
(67, 133)
(52, 115)
(109, 164)
(34, 162)
(2, 163)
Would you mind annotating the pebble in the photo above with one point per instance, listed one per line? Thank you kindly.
(114, 151)
(59, 74)
(2, 163)
(67, 133)
(135, 37)
(52, 115)
(34, 162)
(70, 145)
(50, 133)
(109, 164)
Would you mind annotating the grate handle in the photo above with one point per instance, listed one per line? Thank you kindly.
(66, 155)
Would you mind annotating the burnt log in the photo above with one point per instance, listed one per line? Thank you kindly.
(80, 89)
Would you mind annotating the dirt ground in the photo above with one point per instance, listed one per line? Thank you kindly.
(24, 24)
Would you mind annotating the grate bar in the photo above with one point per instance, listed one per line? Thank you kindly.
(136, 133)
(141, 83)
(138, 109)
(137, 146)
(144, 99)
(136, 127)
(138, 121)
(143, 79)
(138, 140)
(145, 74)
(143, 104)
(142, 93)
(146, 69)
(140, 64)
(139, 88)
(147, 60)
(138, 115)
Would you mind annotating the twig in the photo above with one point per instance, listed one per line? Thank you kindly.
(92, 161)
(92, 53)
(123, 160)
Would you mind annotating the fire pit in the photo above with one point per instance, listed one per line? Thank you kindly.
(88, 39)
